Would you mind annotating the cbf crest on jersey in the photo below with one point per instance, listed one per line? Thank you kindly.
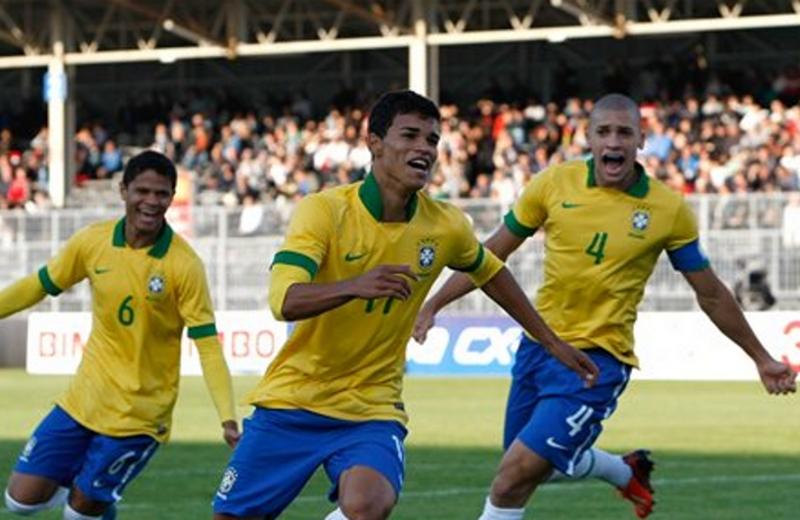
(640, 221)
(426, 254)
(156, 286)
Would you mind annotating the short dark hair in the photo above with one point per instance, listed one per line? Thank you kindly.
(616, 102)
(397, 102)
(150, 160)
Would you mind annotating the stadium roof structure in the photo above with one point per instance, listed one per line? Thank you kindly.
(63, 34)
(33, 32)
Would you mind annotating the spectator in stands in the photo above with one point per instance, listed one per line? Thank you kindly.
(19, 191)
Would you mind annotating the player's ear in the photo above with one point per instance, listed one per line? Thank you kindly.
(375, 144)
(123, 190)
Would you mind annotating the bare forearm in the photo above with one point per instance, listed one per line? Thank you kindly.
(725, 313)
(306, 300)
(454, 288)
(504, 290)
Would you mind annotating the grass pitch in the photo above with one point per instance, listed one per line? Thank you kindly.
(723, 451)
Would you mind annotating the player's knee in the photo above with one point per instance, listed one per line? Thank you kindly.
(513, 488)
(71, 514)
(18, 506)
(361, 507)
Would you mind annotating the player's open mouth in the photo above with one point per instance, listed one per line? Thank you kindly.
(420, 164)
(613, 161)
(149, 215)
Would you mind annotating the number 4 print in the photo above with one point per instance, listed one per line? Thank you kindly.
(597, 247)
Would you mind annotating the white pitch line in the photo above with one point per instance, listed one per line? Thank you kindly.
(555, 487)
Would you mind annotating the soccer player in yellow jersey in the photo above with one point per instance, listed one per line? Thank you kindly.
(354, 269)
(606, 223)
(147, 285)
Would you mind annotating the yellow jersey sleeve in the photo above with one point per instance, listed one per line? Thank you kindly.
(683, 244)
(217, 377)
(194, 301)
(684, 230)
(471, 258)
(281, 278)
(303, 250)
(68, 267)
(530, 210)
(20, 295)
(308, 235)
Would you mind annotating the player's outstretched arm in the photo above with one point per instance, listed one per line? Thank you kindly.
(20, 295)
(507, 293)
(718, 303)
(305, 300)
(218, 381)
(502, 243)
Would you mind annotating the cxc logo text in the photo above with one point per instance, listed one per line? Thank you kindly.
(471, 346)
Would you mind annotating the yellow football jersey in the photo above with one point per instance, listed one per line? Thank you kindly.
(348, 362)
(127, 381)
(601, 247)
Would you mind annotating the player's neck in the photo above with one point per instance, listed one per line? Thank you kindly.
(624, 184)
(137, 239)
(395, 200)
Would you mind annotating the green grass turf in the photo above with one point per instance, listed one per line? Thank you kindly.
(724, 451)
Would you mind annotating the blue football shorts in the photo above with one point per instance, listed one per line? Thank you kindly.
(281, 449)
(551, 411)
(100, 466)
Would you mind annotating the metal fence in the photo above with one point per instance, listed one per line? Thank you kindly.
(237, 245)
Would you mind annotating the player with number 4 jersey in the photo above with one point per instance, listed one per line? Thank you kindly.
(147, 285)
(606, 223)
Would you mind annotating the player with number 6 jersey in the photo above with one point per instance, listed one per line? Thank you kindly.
(147, 285)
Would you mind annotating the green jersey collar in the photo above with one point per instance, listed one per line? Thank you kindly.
(158, 250)
(370, 195)
(639, 188)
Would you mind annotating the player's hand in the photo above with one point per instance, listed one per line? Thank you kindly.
(778, 378)
(230, 432)
(385, 281)
(425, 320)
(577, 361)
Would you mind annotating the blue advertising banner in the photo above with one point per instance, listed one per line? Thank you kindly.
(465, 346)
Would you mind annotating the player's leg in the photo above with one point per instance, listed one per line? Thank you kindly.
(566, 421)
(629, 473)
(278, 452)
(111, 464)
(516, 469)
(367, 469)
(47, 465)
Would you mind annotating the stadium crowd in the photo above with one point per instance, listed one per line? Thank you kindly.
(717, 143)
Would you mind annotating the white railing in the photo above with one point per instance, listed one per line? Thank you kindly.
(237, 246)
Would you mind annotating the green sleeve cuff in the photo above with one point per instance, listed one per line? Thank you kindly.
(474, 265)
(296, 259)
(47, 283)
(515, 227)
(202, 331)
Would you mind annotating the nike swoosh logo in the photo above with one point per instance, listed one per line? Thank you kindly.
(350, 257)
(570, 205)
(553, 444)
(101, 270)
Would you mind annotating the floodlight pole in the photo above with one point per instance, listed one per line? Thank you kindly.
(55, 92)
(418, 51)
